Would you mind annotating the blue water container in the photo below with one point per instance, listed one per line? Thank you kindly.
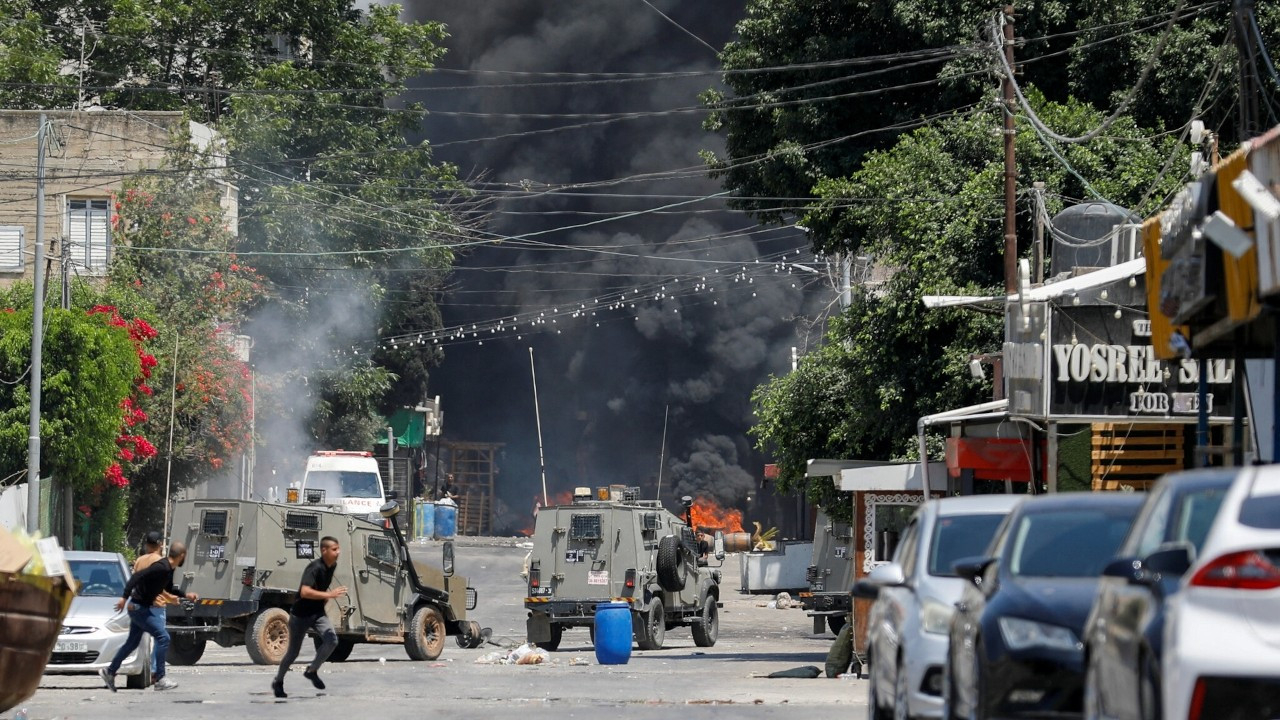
(424, 520)
(446, 521)
(613, 633)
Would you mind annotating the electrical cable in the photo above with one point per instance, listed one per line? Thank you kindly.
(1120, 109)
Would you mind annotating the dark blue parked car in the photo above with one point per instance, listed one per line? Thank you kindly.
(1015, 638)
(1124, 633)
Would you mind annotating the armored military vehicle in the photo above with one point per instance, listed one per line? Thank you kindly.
(614, 547)
(828, 599)
(245, 560)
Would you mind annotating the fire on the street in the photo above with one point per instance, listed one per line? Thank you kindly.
(709, 516)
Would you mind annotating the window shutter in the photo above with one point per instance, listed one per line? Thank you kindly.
(99, 239)
(77, 233)
(11, 247)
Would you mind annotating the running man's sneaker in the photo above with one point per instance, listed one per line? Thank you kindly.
(165, 683)
(108, 678)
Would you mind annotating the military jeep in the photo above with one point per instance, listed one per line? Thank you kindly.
(614, 547)
(828, 600)
(245, 560)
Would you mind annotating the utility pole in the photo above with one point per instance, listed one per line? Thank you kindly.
(37, 341)
(68, 495)
(1010, 164)
(1037, 252)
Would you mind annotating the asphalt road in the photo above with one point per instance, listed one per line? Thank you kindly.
(726, 680)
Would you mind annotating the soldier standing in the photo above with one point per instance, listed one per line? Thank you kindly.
(308, 613)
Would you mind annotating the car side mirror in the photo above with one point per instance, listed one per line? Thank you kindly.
(448, 559)
(718, 545)
(887, 575)
(1169, 561)
(972, 568)
(393, 495)
(1126, 568)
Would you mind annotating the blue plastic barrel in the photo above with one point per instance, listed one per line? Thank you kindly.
(424, 519)
(613, 633)
(446, 521)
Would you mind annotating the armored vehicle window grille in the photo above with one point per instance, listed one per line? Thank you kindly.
(650, 521)
(301, 521)
(584, 527)
(811, 573)
(630, 495)
(214, 522)
(382, 550)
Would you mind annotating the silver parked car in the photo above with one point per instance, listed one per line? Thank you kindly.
(93, 631)
(915, 599)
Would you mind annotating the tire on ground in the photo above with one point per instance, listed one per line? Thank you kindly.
(835, 622)
(650, 627)
(185, 649)
(342, 652)
(267, 638)
(557, 634)
(425, 640)
(671, 567)
(707, 628)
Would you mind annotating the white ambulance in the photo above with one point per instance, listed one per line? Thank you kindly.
(345, 479)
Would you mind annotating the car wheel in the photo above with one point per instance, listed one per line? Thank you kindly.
(835, 622)
(185, 649)
(142, 680)
(557, 634)
(1149, 690)
(342, 651)
(650, 626)
(901, 693)
(425, 640)
(707, 629)
(268, 637)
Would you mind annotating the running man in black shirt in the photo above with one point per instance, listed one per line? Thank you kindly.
(308, 613)
(140, 593)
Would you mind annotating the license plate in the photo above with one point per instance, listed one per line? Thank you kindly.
(598, 577)
(68, 646)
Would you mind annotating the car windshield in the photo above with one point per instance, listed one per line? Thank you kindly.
(1068, 543)
(99, 578)
(960, 536)
(344, 484)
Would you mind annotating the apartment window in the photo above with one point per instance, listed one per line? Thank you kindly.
(89, 233)
(11, 246)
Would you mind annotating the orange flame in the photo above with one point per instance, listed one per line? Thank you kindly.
(562, 498)
(709, 516)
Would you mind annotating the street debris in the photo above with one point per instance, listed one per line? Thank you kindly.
(526, 654)
(579, 661)
(805, 671)
(782, 601)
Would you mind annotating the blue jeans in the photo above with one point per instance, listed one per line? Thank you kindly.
(160, 614)
(143, 620)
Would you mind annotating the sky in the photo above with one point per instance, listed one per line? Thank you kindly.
(704, 320)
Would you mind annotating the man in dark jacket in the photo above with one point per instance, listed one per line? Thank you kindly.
(140, 595)
(308, 613)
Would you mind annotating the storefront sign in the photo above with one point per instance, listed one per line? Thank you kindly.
(1100, 365)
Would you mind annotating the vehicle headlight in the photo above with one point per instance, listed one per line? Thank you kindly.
(1021, 634)
(119, 623)
(935, 616)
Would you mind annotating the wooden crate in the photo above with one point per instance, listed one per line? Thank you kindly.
(1135, 454)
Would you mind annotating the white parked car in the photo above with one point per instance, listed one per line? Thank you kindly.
(93, 631)
(1222, 629)
(915, 599)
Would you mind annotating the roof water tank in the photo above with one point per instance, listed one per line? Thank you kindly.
(1083, 236)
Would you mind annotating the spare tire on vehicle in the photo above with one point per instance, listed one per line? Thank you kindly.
(671, 567)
